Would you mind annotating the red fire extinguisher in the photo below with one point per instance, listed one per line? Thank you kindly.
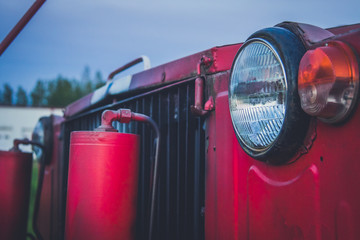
(15, 177)
(102, 181)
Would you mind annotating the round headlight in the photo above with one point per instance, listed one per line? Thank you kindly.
(258, 95)
(264, 105)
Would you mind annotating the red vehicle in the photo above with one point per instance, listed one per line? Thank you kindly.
(257, 140)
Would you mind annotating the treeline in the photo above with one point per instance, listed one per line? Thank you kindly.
(58, 92)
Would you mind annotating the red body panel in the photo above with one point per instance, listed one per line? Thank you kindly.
(311, 198)
(343, 29)
(102, 186)
(15, 176)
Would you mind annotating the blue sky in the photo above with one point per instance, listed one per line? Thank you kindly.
(66, 35)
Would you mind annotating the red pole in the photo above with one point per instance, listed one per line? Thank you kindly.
(20, 25)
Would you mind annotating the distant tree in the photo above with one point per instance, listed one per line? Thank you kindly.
(7, 95)
(61, 92)
(87, 88)
(85, 77)
(38, 94)
(1, 97)
(21, 97)
(78, 92)
(86, 82)
(99, 81)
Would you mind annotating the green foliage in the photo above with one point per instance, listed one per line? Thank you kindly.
(33, 188)
(98, 81)
(7, 95)
(86, 75)
(62, 91)
(38, 94)
(21, 97)
(58, 92)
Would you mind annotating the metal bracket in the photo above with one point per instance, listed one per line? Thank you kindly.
(143, 59)
(199, 108)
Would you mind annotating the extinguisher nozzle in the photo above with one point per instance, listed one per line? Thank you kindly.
(108, 116)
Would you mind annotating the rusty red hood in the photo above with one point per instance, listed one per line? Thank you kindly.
(185, 68)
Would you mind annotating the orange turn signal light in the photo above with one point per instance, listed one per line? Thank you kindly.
(328, 81)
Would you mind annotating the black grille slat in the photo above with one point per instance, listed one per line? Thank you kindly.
(168, 166)
(181, 184)
(186, 163)
(181, 155)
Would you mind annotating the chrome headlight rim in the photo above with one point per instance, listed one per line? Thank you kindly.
(289, 49)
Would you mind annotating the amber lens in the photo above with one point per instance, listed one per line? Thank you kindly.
(327, 81)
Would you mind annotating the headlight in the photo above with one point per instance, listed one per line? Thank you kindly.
(258, 93)
(264, 105)
(43, 134)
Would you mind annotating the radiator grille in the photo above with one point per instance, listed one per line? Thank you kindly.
(180, 196)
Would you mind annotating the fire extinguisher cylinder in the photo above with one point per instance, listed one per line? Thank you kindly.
(103, 178)
(15, 177)
(125, 116)
(102, 185)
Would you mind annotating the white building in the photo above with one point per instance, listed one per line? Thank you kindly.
(19, 122)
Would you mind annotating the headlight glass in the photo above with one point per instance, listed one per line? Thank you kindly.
(257, 94)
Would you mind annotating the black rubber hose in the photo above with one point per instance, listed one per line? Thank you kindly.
(144, 118)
